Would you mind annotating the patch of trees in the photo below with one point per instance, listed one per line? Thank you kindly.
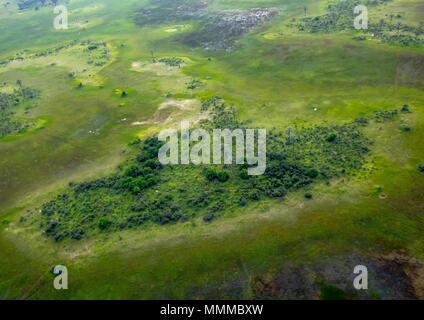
(9, 123)
(171, 62)
(143, 192)
(340, 17)
(194, 84)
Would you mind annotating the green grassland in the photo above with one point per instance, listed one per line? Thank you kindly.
(86, 129)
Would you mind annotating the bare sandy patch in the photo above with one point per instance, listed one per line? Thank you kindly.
(174, 110)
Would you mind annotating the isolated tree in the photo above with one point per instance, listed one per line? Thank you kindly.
(305, 8)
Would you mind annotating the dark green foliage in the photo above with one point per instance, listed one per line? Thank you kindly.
(243, 202)
(362, 121)
(405, 128)
(421, 167)
(143, 191)
(405, 109)
(308, 195)
(330, 292)
(212, 175)
(194, 84)
(208, 217)
(360, 38)
(383, 116)
(340, 17)
(214, 102)
(104, 223)
(312, 173)
(332, 137)
(172, 62)
(9, 124)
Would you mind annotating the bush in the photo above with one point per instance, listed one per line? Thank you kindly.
(210, 174)
(405, 109)
(77, 234)
(421, 167)
(213, 175)
(312, 173)
(332, 137)
(104, 224)
(208, 217)
(222, 176)
(243, 202)
(308, 195)
(405, 128)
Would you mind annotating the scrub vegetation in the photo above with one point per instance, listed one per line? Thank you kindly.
(143, 191)
(9, 102)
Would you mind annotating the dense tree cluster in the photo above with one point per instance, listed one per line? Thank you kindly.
(144, 192)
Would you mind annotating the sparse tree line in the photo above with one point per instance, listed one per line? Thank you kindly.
(97, 51)
(9, 123)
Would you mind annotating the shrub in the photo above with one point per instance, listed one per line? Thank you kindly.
(405, 128)
(312, 173)
(208, 217)
(405, 109)
(210, 174)
(244, 174)
(332, 137)
(104, 224)
(222, 176)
